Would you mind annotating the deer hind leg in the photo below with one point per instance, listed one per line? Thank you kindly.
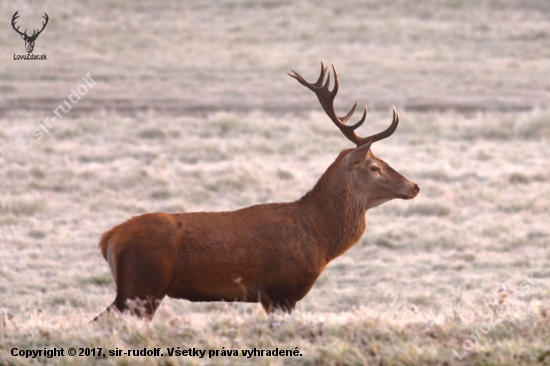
(142, 282)
(141, 308)
(138, 306)
(104, 313)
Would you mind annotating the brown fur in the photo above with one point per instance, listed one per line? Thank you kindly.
(269, 253)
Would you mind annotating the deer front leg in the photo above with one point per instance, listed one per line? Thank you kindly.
(270, 307)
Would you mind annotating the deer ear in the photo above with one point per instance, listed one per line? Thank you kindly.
(23, 36)
(359, 155)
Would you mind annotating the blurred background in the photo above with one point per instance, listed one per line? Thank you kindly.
(234, 55)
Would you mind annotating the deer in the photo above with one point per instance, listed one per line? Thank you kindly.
(269, 253)
(29, 40)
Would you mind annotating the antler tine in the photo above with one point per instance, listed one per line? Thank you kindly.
(317, 85)
(43, 24)
(336, 82)
(327, 84)
(358, 124)
(13, 19)
(347, 116)
(388, 132)
(319, 81)
(352, 111)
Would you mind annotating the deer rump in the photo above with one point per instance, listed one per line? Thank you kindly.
(271, 253)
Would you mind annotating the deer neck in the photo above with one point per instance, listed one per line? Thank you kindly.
(334, 214)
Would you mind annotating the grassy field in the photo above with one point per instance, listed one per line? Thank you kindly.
(192, 110)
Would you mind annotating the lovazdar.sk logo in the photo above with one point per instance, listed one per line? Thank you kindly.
(29, 40)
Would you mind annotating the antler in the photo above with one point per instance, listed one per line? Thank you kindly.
(43, 26)
(15, 16)
(34, 34)
(326, 98)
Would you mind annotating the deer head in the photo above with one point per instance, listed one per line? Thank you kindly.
(29, 40)
(373, 180)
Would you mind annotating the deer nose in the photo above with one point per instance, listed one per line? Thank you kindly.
(416, 188)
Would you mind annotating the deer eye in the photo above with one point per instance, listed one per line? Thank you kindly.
(374, 168)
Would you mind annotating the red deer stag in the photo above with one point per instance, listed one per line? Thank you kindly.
(269, 253)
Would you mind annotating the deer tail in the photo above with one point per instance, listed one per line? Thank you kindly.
(104, 242)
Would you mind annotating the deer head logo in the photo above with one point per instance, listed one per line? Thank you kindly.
(29, 40)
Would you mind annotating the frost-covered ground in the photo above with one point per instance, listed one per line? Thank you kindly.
(437, 264)
(193, 111)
